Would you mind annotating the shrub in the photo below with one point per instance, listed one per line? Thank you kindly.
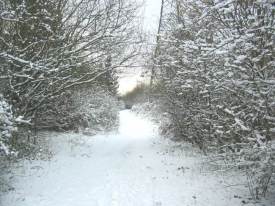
(7, 126)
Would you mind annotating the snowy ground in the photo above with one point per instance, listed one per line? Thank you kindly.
(132, 167)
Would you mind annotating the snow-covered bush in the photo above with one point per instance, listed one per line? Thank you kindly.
(257, 163)
(216, 62)
(98, 109)
(7, 126)
(90, 108)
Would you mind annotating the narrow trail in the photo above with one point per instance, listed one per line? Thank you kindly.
(132, 167)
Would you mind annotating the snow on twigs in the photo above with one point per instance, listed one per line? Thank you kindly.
(7, 126)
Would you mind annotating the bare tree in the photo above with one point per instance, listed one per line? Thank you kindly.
(49, 47)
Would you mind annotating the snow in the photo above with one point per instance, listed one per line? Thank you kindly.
(130, 167)
(240, 123)
(20, 120)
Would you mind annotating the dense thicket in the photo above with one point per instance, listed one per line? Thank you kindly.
(216, 63)
(51, 50)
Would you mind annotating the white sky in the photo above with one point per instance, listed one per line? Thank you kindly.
(150, 17)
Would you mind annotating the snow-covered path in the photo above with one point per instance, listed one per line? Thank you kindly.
(133, 167)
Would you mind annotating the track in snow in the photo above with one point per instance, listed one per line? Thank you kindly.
(133, 167)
